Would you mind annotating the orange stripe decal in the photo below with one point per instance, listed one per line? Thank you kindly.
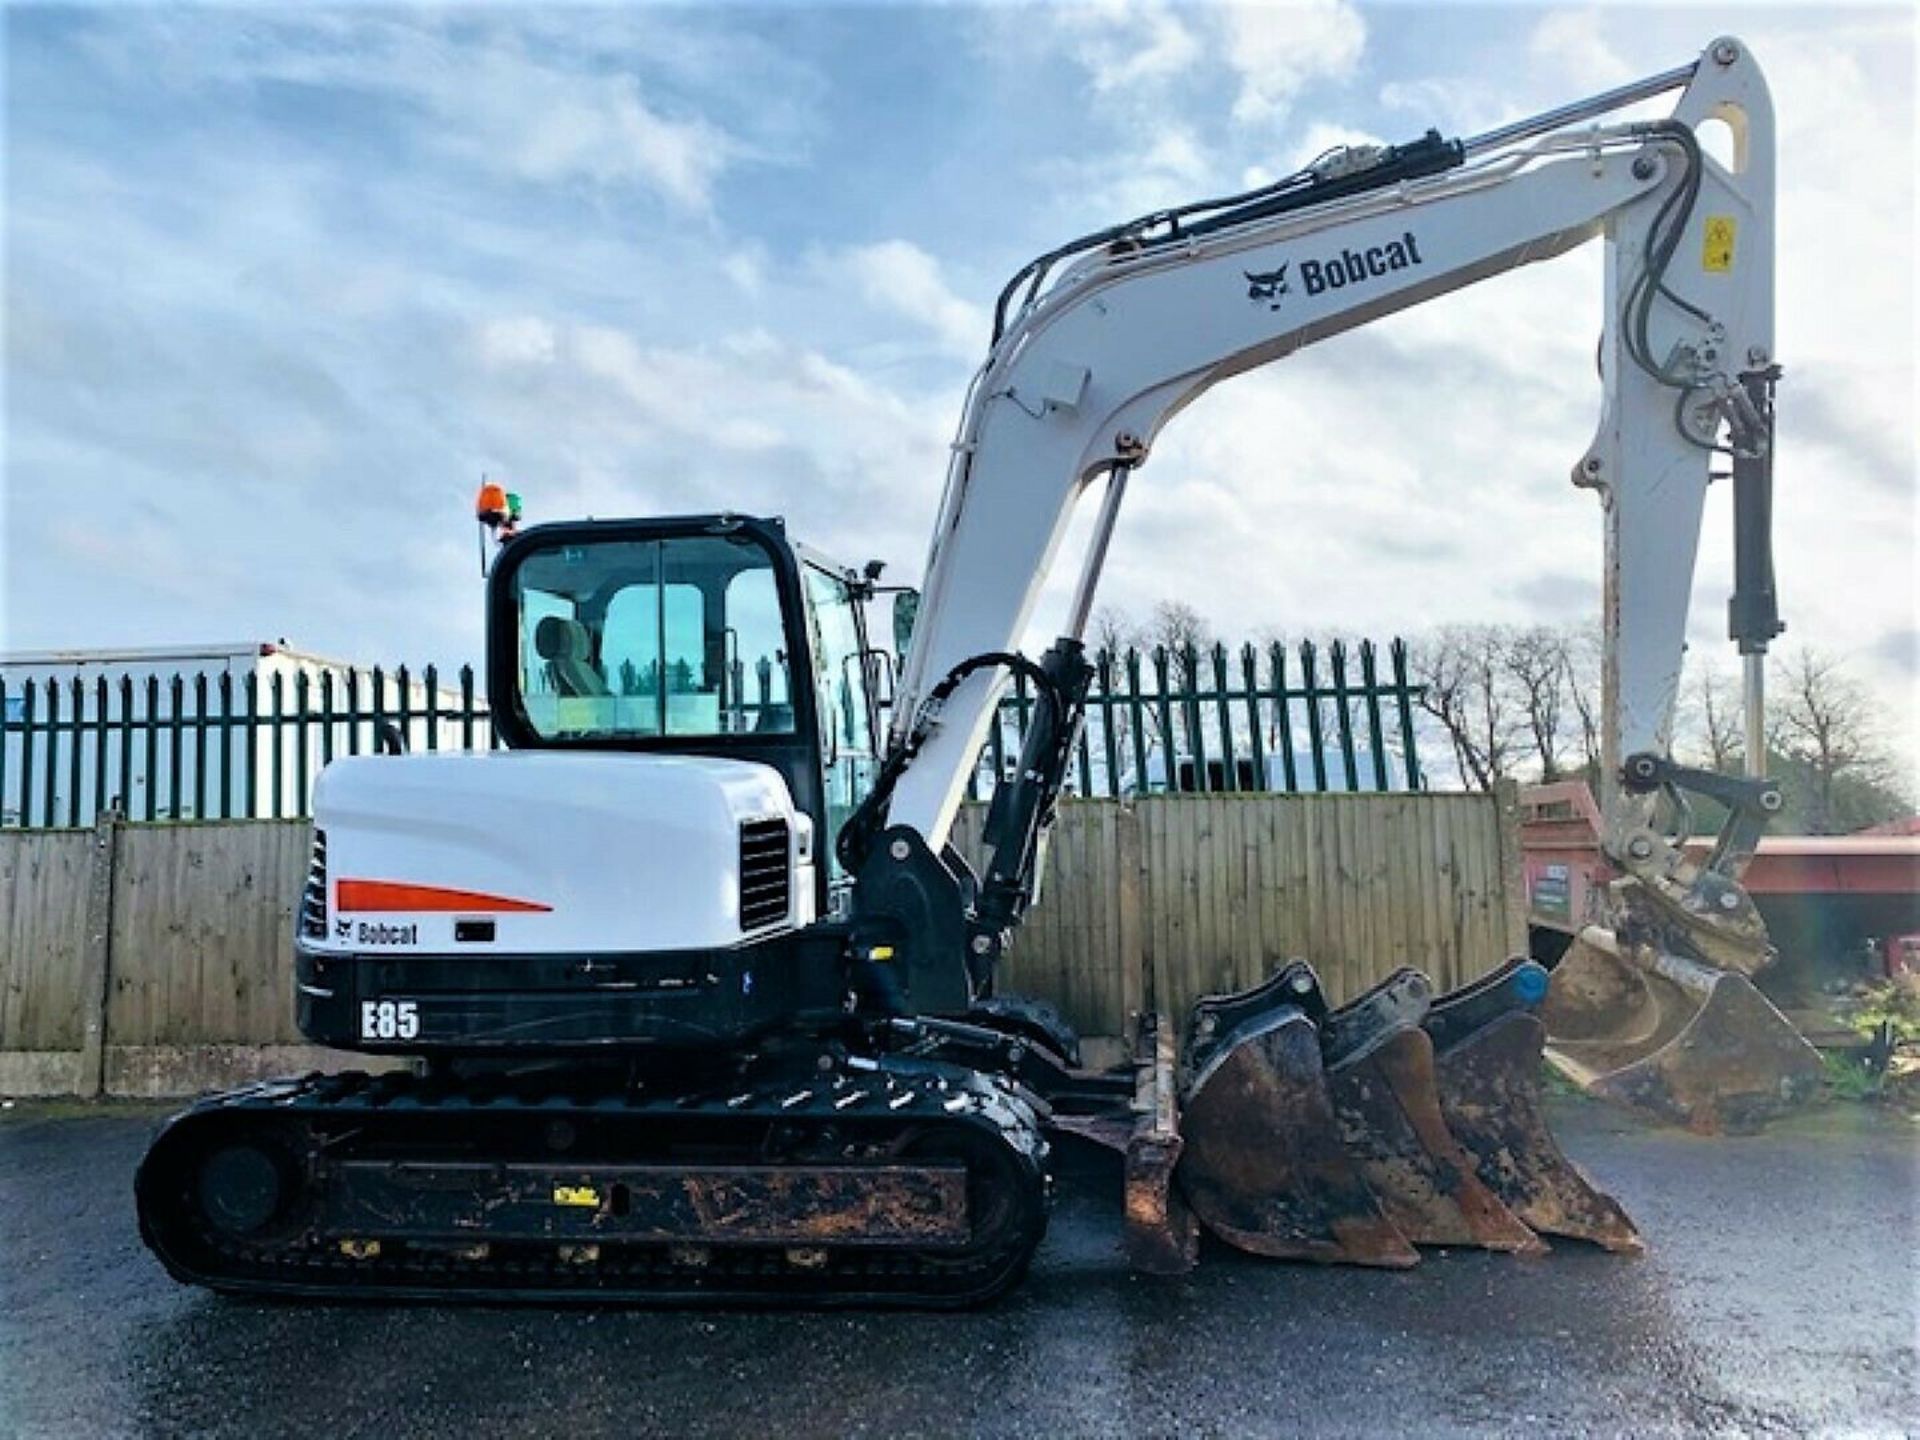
(393, 895)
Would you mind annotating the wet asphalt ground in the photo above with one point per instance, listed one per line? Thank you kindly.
(1780, 1296)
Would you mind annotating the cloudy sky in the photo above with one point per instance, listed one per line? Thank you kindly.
(283, 282)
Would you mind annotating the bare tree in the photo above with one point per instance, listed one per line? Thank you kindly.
(1463, 675)
(1583, 650)
(1537, 664)
(1113, 634)
(1185, 635)
(1114, 631)
(1823, 718)
(1711, 714)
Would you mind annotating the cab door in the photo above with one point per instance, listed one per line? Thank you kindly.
(844, 701)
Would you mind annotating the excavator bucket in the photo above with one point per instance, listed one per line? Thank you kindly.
(1380, 1063)
(1355, 1135)
(1488, 1042)
(1265, 1166)
(1678, 1041)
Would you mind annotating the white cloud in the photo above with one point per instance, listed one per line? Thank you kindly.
(1122, 47)
(604, 132)
(510, 99)
(749, 421)
(902, 279)
(1570, 42)
(746, 267)
(1123, 44)
(1278, 50)
(1455, 105)
(1151, 172)
(517, 340)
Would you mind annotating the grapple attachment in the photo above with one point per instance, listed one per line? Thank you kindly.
(1353, 1135)
(1681, 1042)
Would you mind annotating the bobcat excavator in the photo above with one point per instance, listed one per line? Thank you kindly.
(700, 999)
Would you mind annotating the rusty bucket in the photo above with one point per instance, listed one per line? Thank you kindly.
(1488, 1042)
(1386, 1093)
(1265, 1166)
(1678, 1041)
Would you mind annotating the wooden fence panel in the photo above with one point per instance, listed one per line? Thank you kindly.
(1153, 903)
(203, 933)
(1175, 897)
(43, 930)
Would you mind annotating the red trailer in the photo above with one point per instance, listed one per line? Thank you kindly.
(1826, 898)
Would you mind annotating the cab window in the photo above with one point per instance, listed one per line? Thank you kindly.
(676, 637)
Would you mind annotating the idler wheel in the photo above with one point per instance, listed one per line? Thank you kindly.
(244, 1187)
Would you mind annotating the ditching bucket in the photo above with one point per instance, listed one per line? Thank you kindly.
(1488, 1042)
(1678, 1041)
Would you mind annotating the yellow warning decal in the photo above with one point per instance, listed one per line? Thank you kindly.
(1716, 248)
(584, 1196)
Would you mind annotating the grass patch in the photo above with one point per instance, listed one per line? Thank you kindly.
(1552, 1082)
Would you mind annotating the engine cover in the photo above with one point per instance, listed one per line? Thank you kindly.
(532, 852)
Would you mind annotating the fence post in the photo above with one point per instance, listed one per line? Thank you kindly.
(1137, 990)
(1403, 697)
(6, 729)
(1513, 870)
(96, 989)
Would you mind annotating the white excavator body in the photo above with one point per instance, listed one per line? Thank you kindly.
(705, 1002)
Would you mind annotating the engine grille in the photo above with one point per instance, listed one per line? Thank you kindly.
(313, 899)
(766, 880)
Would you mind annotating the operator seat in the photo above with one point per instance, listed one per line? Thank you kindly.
(563, 644)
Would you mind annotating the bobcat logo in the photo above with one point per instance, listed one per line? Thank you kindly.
(1267, 285)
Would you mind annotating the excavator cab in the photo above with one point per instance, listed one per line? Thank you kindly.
(706, 635)
(688, 699)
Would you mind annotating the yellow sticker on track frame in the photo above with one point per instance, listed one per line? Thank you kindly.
(1716, 245)
(584, 1196)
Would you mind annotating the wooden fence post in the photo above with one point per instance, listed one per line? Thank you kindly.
(1130, 875)
(1513, 870)
(96, 958)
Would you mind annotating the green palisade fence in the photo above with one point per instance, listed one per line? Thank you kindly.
(213, 747)
(184, 747)
(1256, 718)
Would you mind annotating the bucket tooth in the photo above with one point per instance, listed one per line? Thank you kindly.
(1264, 1166)
(1678, 1041)
(1386, 1096)
(1488, 1043)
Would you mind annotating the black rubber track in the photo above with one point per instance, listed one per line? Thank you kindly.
(202, 1214)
